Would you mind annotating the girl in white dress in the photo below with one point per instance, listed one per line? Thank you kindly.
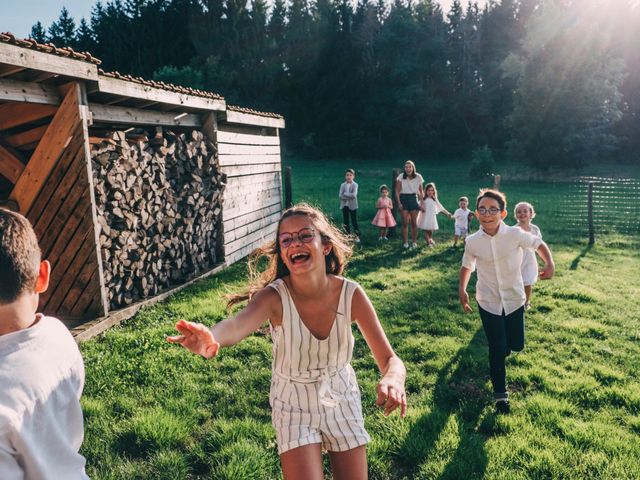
(430, 206)
(524, 213)
(310, 307)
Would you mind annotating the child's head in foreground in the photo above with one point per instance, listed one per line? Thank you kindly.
(22, 273)
(490, 203)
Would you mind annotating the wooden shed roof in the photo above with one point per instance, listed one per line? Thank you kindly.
(33, 77)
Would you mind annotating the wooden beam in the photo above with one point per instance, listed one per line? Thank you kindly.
(252, 119)
(8, 70)
(15, 91)
(51, 146)
(47, 62)
(210, 126)
(137, 116)
(126, 88)
(10, 166)
(14, 114)
(233, 149)
(28, 137)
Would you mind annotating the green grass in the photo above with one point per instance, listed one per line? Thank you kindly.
(154, 411)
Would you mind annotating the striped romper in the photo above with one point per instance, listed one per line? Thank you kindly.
(314, 394)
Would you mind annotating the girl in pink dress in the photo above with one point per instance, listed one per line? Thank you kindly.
(384, 218)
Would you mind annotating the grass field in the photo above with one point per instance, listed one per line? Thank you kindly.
(154, 411)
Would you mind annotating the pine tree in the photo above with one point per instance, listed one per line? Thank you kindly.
(38, 33)
(62, 32)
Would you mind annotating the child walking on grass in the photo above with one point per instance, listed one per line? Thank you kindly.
(496, 250)
(310, 307)
(430, 206)
(384, 217)
(41, 369)
(349, 203)
(462, 216)
(524, 213)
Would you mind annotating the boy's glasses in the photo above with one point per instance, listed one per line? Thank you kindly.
(488, 211)
(306, 235)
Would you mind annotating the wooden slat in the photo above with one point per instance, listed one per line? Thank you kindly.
(258, 198)
(66, 271)
(252, 180)
(244, 139)
(74, 297)
(257, 238)
(36, 60)
(10, 167)
(8, 70)
(238, 208)
(30, 92)
(66, 170)
(233, 149)
(137, 116)
(117, 86)
(230, 224)
(47, 153)
(102, 291)
(14, 114)
(82, 308)
(242, 170)
(28, 137)
(251, 119)
(240, 191)
(232, 160)
(246, 229)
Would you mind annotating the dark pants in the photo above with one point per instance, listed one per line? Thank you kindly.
(353, 215)
(505, 333)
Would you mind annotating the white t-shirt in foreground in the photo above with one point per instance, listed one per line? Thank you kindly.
(498, 259)
(41, 425)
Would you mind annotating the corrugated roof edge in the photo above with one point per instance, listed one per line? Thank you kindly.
(8, 37)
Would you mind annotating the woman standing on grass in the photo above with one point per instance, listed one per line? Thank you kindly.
(408, 190)
(314, 396)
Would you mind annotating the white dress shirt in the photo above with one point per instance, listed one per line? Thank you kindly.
(41, 426)
(498, 259)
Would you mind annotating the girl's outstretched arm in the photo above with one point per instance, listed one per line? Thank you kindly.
(264, 305)
(390, 389)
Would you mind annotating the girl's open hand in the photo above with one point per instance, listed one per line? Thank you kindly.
(196, 338)
(391, 395)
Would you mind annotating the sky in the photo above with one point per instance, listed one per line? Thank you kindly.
(19, 15)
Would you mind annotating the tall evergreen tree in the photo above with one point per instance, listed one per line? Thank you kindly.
(38, 32)
(62, 31)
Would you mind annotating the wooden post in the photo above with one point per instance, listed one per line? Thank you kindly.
(288, 197)
(592, 235)
(496, 182)
(394, 174)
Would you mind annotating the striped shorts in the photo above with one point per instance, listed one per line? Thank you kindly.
(301, 418)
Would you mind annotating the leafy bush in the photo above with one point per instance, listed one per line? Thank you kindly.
(482, 162)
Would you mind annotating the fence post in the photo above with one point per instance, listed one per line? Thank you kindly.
(394, 211)
(592, 233)
(288, 197)
(496, 182)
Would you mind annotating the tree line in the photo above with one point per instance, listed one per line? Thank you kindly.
(551, 83)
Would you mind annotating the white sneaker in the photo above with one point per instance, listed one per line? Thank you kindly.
(405, 245)
(380, 239)
(414, 245)
(356, 239)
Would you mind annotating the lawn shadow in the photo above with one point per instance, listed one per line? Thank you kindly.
(583, 253)
(456, 393)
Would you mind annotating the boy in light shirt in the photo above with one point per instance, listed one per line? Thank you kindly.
(41, 374)
(462, 217)
(496, 250)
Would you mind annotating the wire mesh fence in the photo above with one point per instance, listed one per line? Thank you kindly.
(614, 206)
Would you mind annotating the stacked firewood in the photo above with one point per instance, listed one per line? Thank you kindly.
(159, 204)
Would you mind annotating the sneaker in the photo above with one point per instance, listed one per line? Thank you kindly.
(381, 239)
(414, 245)
(430, 245)
(405, 245)
(385, 239)
(502, 407)
(356, 239)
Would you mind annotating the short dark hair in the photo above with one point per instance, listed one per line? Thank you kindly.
(350, 170)
(495, 194)
(19, 256)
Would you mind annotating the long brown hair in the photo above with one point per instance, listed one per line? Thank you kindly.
(335, 261)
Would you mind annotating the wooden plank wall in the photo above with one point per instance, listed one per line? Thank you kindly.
(54, 193)
(253, 196)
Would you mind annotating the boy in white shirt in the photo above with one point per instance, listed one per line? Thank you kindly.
(496, 251)
(42, 374)
(462, 218)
